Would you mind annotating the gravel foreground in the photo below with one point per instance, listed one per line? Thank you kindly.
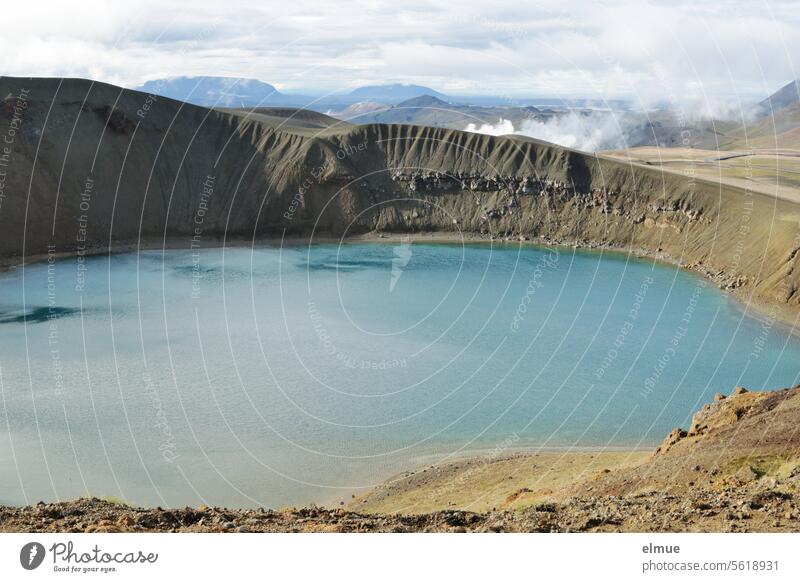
(760, 509)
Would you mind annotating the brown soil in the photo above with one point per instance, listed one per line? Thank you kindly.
(749, 508)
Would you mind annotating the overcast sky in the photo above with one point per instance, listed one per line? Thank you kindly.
(645, 50)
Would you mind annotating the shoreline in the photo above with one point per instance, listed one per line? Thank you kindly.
(419, 464)
(781, 314)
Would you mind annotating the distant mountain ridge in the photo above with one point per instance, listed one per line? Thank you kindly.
(215, 91)
(210, 91)
(239, 92)
(784, 97)
(777, 123)
(434, 111)
(394, 93)
(424, 101)
(244, 92)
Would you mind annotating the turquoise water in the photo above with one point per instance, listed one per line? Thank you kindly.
(281, 376)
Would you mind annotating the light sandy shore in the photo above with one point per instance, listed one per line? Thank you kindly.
(493, 482)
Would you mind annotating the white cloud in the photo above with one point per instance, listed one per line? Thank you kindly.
(541, 47)
(590, 131)
(502, 127)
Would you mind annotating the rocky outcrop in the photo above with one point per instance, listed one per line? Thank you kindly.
(742, 439)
